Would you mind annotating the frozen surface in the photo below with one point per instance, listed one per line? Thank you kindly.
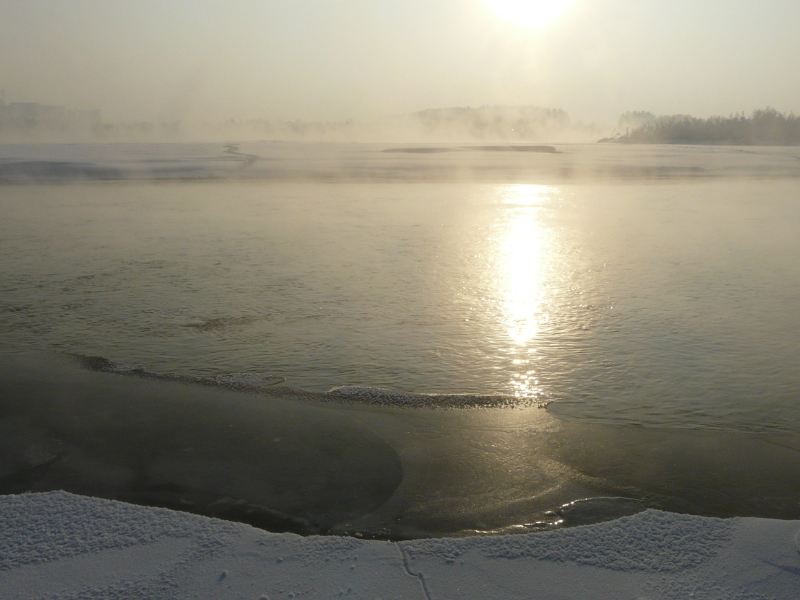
(58, 545)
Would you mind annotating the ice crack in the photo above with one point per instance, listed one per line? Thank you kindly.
(423, 584)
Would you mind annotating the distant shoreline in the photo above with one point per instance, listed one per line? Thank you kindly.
(765, 127)
(622, 140)
(435, 150)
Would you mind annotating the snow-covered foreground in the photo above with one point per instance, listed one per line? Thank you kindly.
(59, 545)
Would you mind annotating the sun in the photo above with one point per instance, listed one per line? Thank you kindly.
(531, 14)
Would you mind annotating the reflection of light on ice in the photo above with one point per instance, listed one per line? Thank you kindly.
(525, 249)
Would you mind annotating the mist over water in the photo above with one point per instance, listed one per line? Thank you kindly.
(661, 302)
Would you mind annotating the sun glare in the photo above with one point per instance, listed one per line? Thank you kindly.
(531, 14)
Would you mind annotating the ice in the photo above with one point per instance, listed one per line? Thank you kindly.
(59, 545)
(192, 447)
(587, 511)
(248, 380)
(384, 397)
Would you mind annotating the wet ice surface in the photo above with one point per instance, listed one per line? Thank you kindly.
(288, 460)
(60, 546)
(208, 451)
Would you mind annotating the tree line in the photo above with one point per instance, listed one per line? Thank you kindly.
(765, 127)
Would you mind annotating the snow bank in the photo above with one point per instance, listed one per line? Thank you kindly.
(59, 545)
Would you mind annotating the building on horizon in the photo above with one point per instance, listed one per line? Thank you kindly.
(26, 116)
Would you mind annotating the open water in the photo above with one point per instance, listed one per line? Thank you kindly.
(622, 287)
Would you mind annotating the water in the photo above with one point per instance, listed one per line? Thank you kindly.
(661, 303)
(621, 287)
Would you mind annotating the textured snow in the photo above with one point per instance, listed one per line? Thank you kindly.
(39, 528)
(658, 542)
(61, 546)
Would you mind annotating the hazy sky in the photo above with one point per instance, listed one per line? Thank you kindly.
(333, 60)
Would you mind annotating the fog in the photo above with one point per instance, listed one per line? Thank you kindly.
(157, 68)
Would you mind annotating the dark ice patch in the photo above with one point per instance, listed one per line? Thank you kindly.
(276, 464)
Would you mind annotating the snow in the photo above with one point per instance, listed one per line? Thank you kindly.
(61, 546)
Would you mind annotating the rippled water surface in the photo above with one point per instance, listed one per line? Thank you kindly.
(666, 302)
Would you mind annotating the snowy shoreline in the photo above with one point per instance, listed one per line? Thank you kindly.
(60, 545)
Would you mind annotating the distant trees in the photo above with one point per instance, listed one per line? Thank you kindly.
(634, 120)
(490, 123)
(24, 121)
(456, 124)
(764, 127)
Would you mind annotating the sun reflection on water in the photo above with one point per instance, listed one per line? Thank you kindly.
(526, 250)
